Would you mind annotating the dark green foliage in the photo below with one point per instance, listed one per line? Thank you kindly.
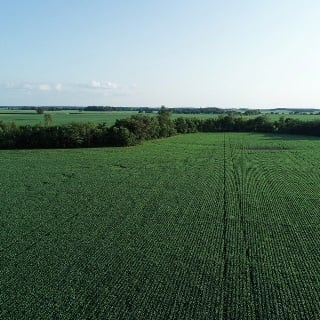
(295, 126)
(126, 132)
(47, 119)
(251, 112)
(138, 128)
(39, 110)
(187, 125)
(167, 128)
(67, 136)
(143, 127)
(260, 124)
(121, 137)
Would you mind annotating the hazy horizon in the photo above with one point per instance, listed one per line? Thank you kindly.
(202, 53)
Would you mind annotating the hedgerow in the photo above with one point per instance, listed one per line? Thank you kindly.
(138, 128)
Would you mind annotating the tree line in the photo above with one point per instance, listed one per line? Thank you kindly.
(138, 128)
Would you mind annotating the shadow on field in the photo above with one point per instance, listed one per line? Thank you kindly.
(291, 137)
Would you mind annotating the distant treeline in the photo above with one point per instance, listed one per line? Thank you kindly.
(177, 110)
(137, 128)
(46, 108)
(180, 110)
(184, 110)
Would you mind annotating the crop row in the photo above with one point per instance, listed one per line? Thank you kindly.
(283, 264)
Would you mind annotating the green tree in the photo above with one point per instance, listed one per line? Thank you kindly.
(39, 110)
(47, 120)
(167, 127)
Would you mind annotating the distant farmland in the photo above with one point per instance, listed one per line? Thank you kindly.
(30, 117)
(199, 226)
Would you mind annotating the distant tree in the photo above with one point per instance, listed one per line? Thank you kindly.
(47, 119)
(251, 112)
(167, 128)
(39, 110)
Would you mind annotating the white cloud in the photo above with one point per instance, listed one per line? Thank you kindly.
(103, 85)
(59, 87)
(9, 85)
(96, 84)
(95, 88)
(44, 87)
(27, 86)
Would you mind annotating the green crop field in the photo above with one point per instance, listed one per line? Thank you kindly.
(30, 117)
(199, 226)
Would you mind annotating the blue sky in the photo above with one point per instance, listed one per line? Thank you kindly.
(150, 53)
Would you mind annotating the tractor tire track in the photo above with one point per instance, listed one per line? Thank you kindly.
(225, 304)
(240, 193)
